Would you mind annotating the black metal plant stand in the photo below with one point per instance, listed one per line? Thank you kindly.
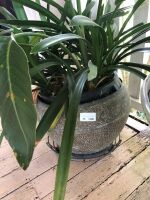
(105, 151)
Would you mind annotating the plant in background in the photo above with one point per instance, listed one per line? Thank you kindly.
(63, 57)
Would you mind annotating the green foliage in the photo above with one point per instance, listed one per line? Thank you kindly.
(53, 40)
(17, 110)
(73, 49)
(68, 136)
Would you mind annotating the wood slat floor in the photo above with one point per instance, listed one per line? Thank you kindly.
(123, 174)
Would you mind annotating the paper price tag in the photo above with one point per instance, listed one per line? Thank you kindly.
(87, 117)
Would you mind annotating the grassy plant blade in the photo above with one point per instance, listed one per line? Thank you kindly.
(111, 15)
(41, 35)
(19, 10)
(54, 4)
(35, 70)
(67, 139)
(139, 42)
(129, 69)
(146, 49)
(53, 40)
(6, 13)
(136, 65)
(88, 8)
(31, 23)
(1, 138)
(18, 114)
(43, 18)
(39, 9)
(135, 7)
(51, 114)
(81, 20)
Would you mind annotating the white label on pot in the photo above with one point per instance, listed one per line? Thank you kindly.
(87, 117)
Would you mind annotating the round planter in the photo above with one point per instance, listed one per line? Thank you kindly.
(99, 123)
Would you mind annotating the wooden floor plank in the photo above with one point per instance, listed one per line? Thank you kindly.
(19, 177)
(45, 183)
(40, 170)
(142, 192)
(102, 170)
(8, 161)
(25, 193)
(122, 184)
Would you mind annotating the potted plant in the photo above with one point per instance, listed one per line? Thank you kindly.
(68, 58)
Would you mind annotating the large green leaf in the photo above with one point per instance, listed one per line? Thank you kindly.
(53, 40)
(68, 137)
(18, 114)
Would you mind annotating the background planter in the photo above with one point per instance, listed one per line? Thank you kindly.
(93, 137)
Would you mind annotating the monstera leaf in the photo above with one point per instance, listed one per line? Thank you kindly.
(16, 107)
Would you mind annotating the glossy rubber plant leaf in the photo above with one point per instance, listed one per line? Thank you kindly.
(53, 40)
(17, 111)
(68, 138)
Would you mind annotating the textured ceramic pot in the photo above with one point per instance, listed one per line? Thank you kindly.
(99, 123)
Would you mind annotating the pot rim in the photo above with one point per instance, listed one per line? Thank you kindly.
(102, 92)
